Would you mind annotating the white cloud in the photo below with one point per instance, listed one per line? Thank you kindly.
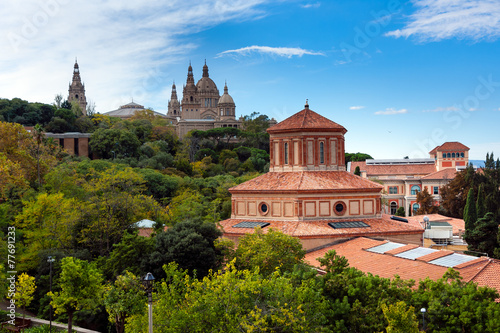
(278, 51)
(359, 107)
(124, 48)
(435, 20)
(311, 5)
(391, 111)
(443, 109)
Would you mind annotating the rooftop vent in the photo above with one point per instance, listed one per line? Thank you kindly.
(251, 225)
(399, 219)
(351, 224)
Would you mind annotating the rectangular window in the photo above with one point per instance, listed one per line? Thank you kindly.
(436, 190)
(393, 190)
(321, 152)
(286, 152)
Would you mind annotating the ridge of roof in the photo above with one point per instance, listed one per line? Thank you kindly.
(436, 255)
(306, 120)
(401, 249)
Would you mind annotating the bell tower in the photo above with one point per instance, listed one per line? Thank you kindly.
(77, 90)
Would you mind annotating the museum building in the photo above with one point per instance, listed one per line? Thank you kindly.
(308, 193)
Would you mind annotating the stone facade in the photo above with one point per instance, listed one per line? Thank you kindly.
(201, 107)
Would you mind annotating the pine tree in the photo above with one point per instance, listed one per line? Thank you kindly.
(480, 203)
(470, 215)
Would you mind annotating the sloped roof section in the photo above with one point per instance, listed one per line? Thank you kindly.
(399, 169)
(448, 173)
(449, 146)
(306, 120)
(315, 181)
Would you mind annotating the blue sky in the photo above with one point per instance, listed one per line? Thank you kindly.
(401, 76)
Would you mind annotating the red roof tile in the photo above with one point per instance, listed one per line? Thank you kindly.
(483, 271)
(306, 120)
(399, 169)
(435, 255)
(449, 146)
(448, 173)
(314, 181)
(379, 264)
(321, 229)
(401, 249)
(458, 225)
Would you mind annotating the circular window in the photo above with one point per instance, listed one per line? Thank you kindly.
(339, 208)
(263, 208)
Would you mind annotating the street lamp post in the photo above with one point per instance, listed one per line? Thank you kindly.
(50, 260)
(148, 283)
(423, 310)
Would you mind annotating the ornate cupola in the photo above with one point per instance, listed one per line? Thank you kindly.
(226, 105)
(307, 141)
(77, 90)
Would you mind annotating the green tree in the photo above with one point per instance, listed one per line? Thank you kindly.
(122, 142)
(25, 287)
(235, 301)
(456, 306)
(188, 243)
(400, 318)
(81, 288)
(483, 238)
(480, 203)
(357, 171)
(269, 251)
(124, 298)
(470, 215)
(426, 203)
(401, 212)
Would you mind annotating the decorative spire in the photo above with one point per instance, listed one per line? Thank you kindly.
(225, 87)
(190, 77)
(307, 104)
(205, 69)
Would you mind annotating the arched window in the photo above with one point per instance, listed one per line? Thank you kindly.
(321, 152)
(444, 155)
(394, 207)
(415, 189)
(453, 155)
(415, 207)
(448, 155)
(461, 154)
(286, 152)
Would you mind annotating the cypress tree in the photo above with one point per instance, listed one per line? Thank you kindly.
(357, 171)
(480, 203)
(470, 215)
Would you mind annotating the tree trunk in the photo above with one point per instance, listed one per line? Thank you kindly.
(70, 321)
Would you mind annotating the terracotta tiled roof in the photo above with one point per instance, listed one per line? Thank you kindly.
(316, 181)
(321, 229)
(306, 120)
(382, 265)
(448, 173)
(399, 169)
(401, 249)
(435, 255)
(449, 146)
(483, 271)
(457, 224)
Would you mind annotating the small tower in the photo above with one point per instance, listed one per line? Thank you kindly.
(77, 90)
(174, 106)
(190, 101)
(226, 106)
